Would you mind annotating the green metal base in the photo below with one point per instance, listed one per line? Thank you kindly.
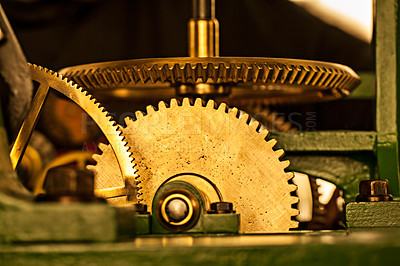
(373, 214)
(352, 247)
(23, 221)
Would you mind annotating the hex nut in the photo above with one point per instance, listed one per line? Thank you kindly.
(374, 190)
(221, 207)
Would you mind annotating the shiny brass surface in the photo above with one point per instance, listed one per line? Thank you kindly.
(215, 144)
(203, 38)
(191, 202)
(253, 79)
(49, 79)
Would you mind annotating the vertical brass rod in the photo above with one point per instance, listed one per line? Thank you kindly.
(203, 30)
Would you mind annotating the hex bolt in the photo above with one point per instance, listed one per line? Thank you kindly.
(221, 207)
(374, 190)
(66, 184)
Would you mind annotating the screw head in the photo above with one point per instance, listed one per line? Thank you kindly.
(374, 190)
(221, 207)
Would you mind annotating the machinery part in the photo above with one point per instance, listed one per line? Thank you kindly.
(270, 119)
(374, 190)
(212, 144)
(16, 94)
(221, 207)
(24, 134)
(80, 158)
(179, 206)
(39, 153)
(203, 30)
(67, 184)
(177, 209)
(50, 79)
(270, 79)
(288, 73)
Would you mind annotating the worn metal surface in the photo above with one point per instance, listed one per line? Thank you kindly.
(210, 143)
(356, 247)
(387, 96)
(22, 221)
(373, 214)
(326, 141)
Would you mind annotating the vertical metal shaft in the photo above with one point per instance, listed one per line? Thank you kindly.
(203, 30)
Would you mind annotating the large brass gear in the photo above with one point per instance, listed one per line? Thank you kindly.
(266, 80)
(200, 140)
(118, 146)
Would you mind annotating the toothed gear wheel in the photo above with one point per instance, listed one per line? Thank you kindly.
(264, 80)
(270, 119)
(117, 144)
(202, 140)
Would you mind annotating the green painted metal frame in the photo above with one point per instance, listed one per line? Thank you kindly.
(382, 144)
(388, 81)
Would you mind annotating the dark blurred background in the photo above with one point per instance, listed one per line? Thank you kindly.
(56, 34)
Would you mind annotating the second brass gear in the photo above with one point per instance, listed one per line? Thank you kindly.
(263, 80)
(216, 143)
(118, 146)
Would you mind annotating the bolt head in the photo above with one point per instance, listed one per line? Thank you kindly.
(221, 207)
(374, 190)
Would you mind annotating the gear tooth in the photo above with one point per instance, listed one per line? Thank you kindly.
(289, 175)
(150, 109)
(294, 224)
(280, 153)
(138, 114)
(174, 103)
(294, 200)
(128, 120)
(222, 107)
(234, 112)
(255, 125)
(91, 168)
(186, 102)
(245, 117)
(198, 102)
(162, 105)
(292, 187)
(96, 157)
(271, 143)
(264, 133)
(101, 146)
(211, 104)
(285, 164)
